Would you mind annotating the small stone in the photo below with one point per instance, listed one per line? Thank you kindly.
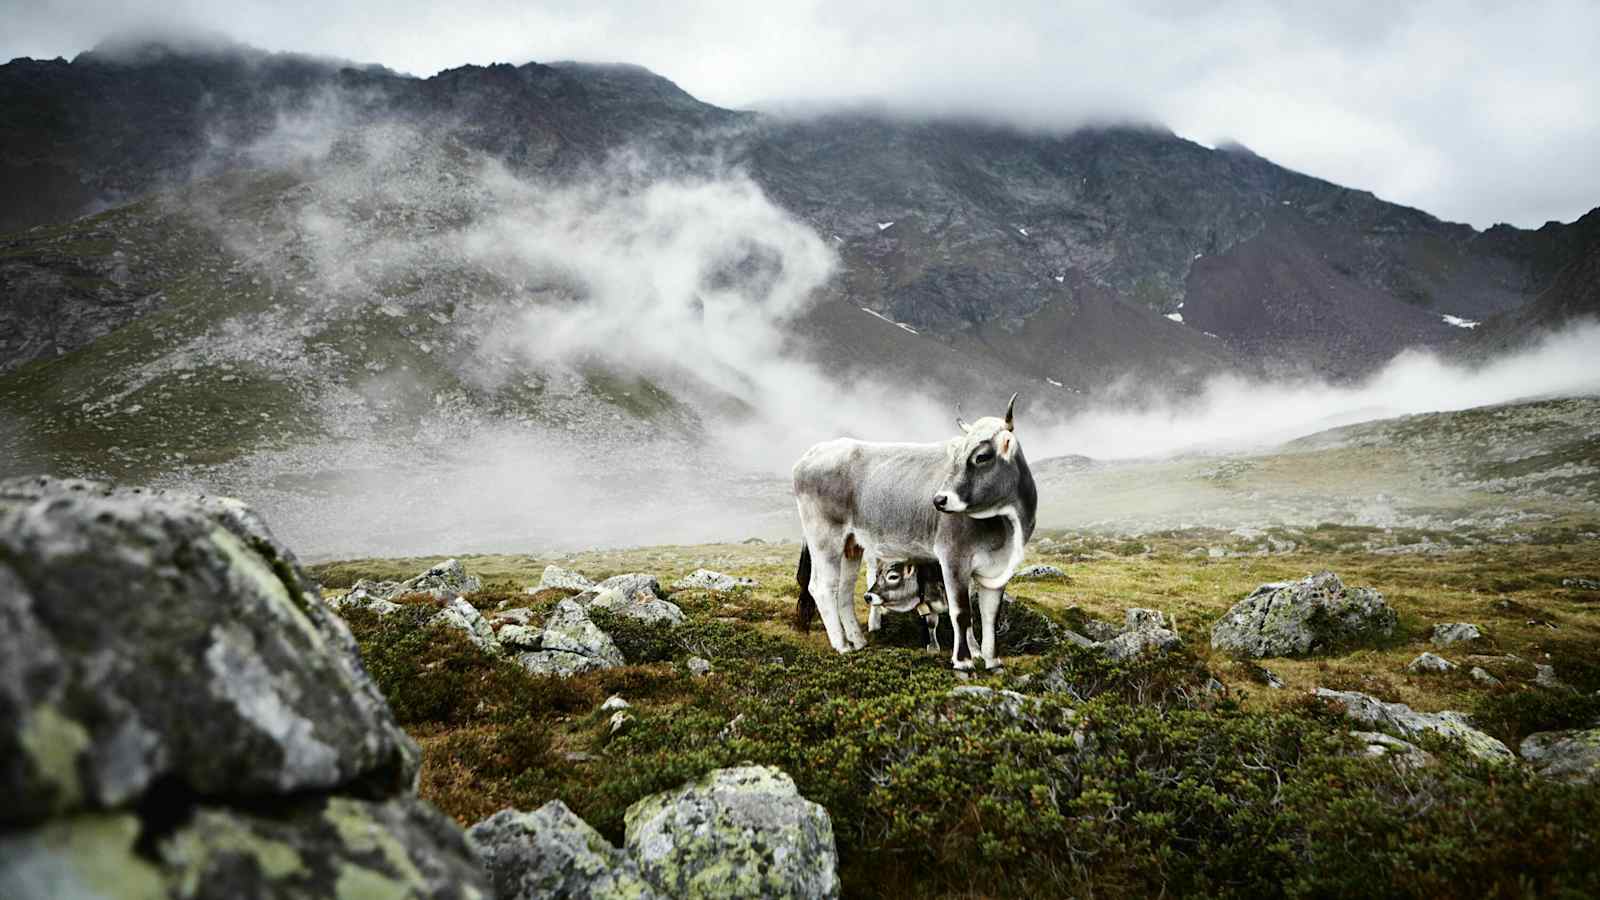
(1038, 571)
(1545, 677)
(698, 666)
(707, 580)
(620, 720)
(1482, 676)
(1429, 662)
(1144, 618)
(614, 702)
(1454, 633)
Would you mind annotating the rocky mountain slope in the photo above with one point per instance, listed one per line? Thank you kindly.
(309, 278)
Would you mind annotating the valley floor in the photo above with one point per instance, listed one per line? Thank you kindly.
(1113, 778)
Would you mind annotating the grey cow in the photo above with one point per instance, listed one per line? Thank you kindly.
(968, 503)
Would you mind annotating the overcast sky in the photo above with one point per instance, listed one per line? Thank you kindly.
(1475, 111)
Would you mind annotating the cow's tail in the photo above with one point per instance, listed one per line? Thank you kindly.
(805, 608)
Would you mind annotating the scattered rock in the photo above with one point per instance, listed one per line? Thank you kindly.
(1545, 677)
(1012, 704)
(614, 702)
(1565, 755)
(1216, 553)
(620, 720)
(464, 617)
(1139, 641)
(1039, 570)
(1406, 755)
(552, 853)
(1454, 633)
(520, 615)
(443, 581)
(1299, 617)
(1429, 662)
(566, 579)
(1402, 718)
(742, 832)
(732, 729)
(698, 666)
(1137, 618)
(569, 644)
(1582, 584)
(707, 580)
(1266, 676)
(446, 579)
(1482, 676)
(639, 605)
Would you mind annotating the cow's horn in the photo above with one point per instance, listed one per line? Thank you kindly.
(960, 421)
(1010, 409)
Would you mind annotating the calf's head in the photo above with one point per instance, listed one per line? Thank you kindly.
(894, 585)
(984, 475)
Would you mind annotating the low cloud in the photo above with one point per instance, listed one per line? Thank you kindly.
(1232, 414)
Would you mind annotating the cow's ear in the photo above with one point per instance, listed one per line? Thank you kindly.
(1005, 443)
(911, 569)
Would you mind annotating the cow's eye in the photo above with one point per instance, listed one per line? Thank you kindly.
(983, 459)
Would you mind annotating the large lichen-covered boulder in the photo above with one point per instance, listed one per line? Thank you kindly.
(1565, 755)
(552, 854)
(742, 832)
(1295, 618)
(1450, 725)
(335, 847)
(181, 716)
(150, 639)
(569, 644)
(464, 617)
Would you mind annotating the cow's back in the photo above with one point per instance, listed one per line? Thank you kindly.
(884, 491)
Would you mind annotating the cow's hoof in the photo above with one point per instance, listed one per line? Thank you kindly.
(856, 646)
(962, 665)
(996, 666)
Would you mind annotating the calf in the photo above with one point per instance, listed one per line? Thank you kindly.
(905, 586)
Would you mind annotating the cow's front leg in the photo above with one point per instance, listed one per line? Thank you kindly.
(930, 631)
(989, 606)
(955, 589)
(845, 603)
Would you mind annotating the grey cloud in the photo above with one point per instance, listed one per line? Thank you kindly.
(1476, 112)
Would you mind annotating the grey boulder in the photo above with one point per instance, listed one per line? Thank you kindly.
(1565, 755)
(306, 847)
(1453, 726)
(552, 853)
(1455, 633)
(150, 638)
(636, 596)
(1295, 618)
(1429, 662)
(569, 644)
(567, 579)
(742, 832)
(1038, 571)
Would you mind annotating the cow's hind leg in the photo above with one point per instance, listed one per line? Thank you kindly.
(845, 599)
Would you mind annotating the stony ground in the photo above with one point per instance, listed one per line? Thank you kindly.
(1136, 778)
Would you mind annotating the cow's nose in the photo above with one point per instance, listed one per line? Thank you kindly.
(940, 499)
(872, 599)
